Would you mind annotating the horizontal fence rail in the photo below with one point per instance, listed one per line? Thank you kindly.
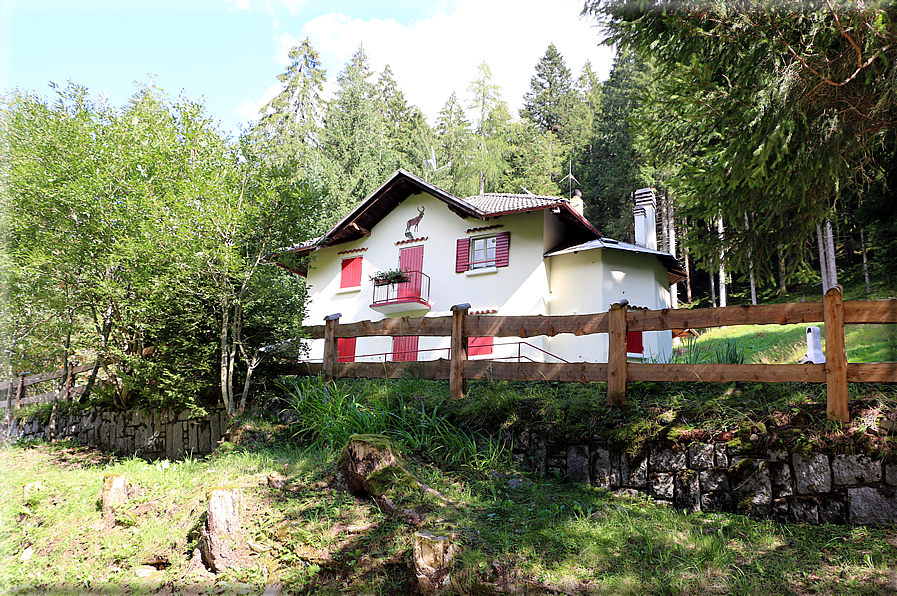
(833, 311)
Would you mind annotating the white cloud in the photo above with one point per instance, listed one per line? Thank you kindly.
(283, 44)
(249, 110)
(433, 57)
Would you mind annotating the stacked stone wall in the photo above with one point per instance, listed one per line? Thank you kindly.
(813, 488)
(149, 435)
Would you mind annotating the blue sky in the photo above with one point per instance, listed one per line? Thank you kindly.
(229, 52)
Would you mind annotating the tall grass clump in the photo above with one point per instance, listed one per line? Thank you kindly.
(327, 414)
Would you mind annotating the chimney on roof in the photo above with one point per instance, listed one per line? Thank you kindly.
(645, 212)
(577, 203)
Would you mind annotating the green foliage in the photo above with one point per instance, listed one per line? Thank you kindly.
(329, 413)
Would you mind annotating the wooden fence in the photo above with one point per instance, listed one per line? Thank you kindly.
(617, 372)
(16, 391)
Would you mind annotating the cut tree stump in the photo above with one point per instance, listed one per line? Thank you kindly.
(433, 555)
(370, 466)
(115, 491)
(220, 540)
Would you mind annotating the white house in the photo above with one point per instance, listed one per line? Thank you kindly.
(503, 254)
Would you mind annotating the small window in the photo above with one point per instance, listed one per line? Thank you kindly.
(480, 346)
(350, 276)
(482, 252)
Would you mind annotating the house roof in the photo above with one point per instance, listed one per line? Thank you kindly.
(674, 268)
(401, 185)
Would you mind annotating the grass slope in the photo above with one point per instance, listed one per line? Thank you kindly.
(313, 537)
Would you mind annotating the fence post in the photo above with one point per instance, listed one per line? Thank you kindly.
(457, 384)
(616, 353)
(331, 357)
(835, 355)
(20, 391)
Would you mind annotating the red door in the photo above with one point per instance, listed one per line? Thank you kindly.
(412, 260)
(404, 348)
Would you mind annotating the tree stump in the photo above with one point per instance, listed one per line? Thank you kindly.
(221, 536)
(370, 466)
(433, 555)
(30, 490)
(115, 491)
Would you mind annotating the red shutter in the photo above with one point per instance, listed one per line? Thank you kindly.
(404, 348)
(345, 349)
(479, 346)
(462, 255)
(502, 249)
(634, 342)
(350, 276)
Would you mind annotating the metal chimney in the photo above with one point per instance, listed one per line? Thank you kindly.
(645, 213)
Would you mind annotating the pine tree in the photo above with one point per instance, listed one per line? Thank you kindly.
(549, 101)
(291, 120)
(453, 131)
(352, 136)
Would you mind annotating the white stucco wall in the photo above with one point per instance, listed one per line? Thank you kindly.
(519, 289)
(589, 281)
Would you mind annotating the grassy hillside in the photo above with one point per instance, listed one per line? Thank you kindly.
(312, 537)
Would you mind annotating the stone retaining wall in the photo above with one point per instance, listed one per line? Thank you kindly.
(810, 488)
(150, 435)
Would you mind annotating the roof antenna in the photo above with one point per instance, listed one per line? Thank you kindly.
(527, 191)
(571, 179)
(430, 164)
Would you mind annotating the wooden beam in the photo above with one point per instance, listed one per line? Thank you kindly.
(575, 372)
(457, 384)
(722, 373)
(835, 356)
(700, 318)
(435, 370)
(870, 311)
(616, 355)
(535, 325)
(872, 372)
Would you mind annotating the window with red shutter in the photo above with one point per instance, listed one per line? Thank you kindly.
(483, 252)
(634, 342)
(350, 276)
(345, 349)
(480, 346)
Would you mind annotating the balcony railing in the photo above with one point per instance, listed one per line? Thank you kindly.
(412, 294)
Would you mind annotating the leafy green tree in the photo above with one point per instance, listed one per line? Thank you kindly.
(140, 232)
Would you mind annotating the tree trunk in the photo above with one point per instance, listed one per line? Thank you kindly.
(722, 265)
(251, 365)
(674, 291)
(747, 225)
(783, 288)
(865, 262)
(226, 396)
(687, 278)
(830, 254)
(823, 267)
(712, 288)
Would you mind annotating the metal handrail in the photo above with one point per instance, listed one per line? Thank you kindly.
(520, 356)
(416, 288)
